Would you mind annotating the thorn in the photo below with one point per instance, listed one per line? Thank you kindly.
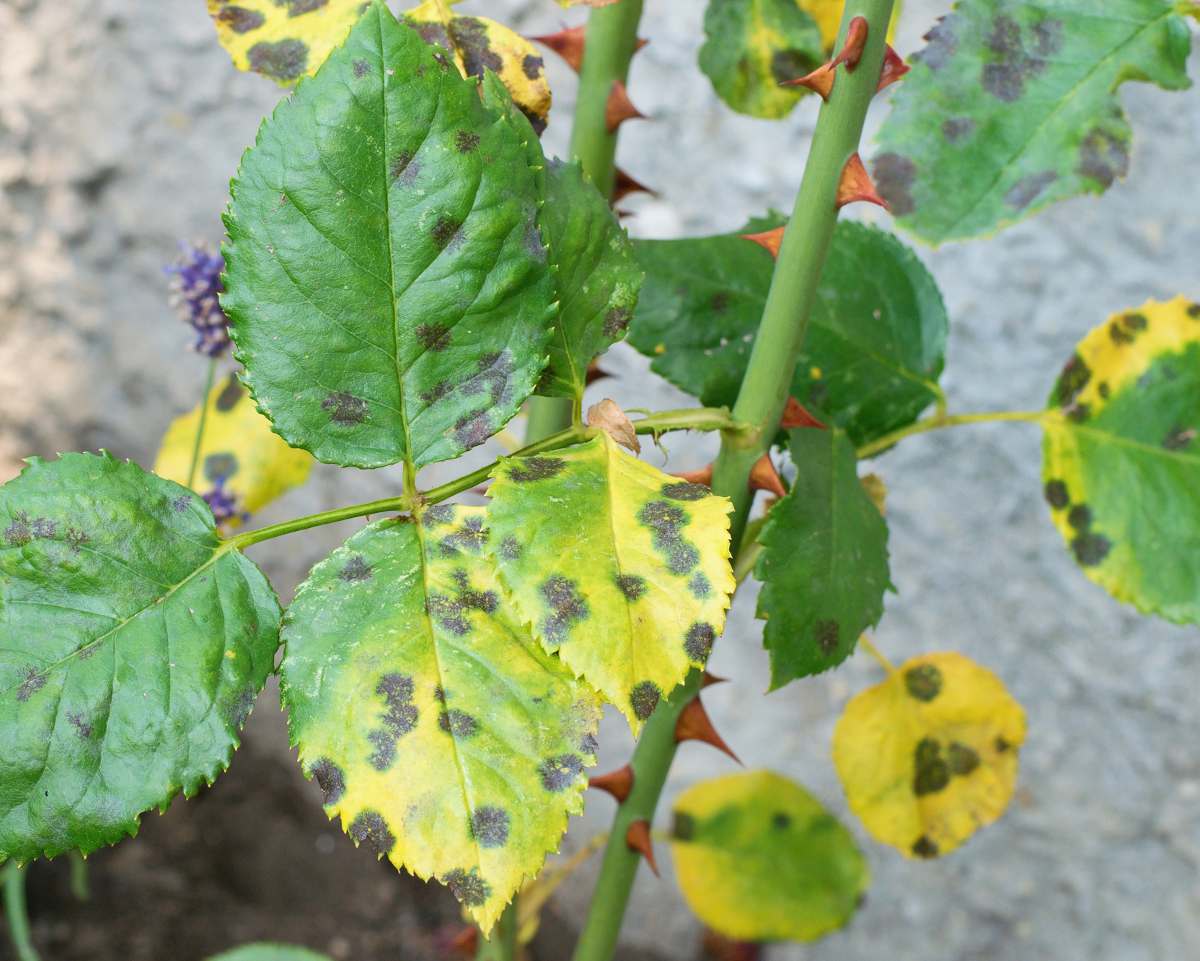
(795, 414)
(852, 49)
(856, 184)
(894, 68)
(626, 185)
(701, 476)
(595, 372)
(694, 724)
(567, 43)
(711, 679)
(619, 108)
(637, 838)
(622, 213)
(819, 81)
(770, 240)
(764, 477)
(618, 783)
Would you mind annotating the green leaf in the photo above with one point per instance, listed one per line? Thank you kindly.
(1012, 106)
(752, 46)
(264, 951)
(824, 564)
(240, 461)
(598, 277)
(1122, 457)
(760, 859)
(620, 568)
(441, 733)
(876, 337)
(134, 644)
(388, 288)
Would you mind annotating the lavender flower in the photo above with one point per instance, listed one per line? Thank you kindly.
(195, 285)
(223, 504)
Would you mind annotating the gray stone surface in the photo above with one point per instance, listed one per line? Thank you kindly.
(120, 124)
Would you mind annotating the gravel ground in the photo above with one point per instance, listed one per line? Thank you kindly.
(120, 125)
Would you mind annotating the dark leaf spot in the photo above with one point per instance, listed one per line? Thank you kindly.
(616, 321)
(444, 231)
(361, 68)
(531, 66)
(470, 889)
(781, 820)
(1021, 194)
(76, 539)
(33, 682)
(356, 569)
(789, 64)
(1056, 494)
(1005, 78)
(489, 826)
(404, 169)
(1074, 377)
(559, 773)
(230, 394)
(957, 129)
(826, 633)
(81, 724)
(241, 20)
(644, 699)
(181, 503)
(298, 7)
(924, 682)
(894, 176)
(369, 827)
(683, 826)
(1001, 744)
(698, 641)
(458, 723)
(438, 514)
(329, 779)
(589, 745)
(238, 709)
(470, 37)
(436, 392)
(510, 548)
(471, 430)
(1091, 549)
(940, 46)
(963, 759)
(1080, 517)
(1193, 311)
(466, 141)
(433, 336)
(1103, 157)
(924, 847)
(345, 409)
(1180, 438)
(631, 586)
(932, 772)
(685, 491)
(567, 607)
(220, 467)
(284, 59)
(18, 534)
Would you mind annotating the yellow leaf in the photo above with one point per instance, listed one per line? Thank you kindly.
(283, 39)
(929, 756)
(476, 43)
(760, 859)
(242, 464)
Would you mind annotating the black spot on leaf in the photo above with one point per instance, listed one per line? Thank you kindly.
(1080, 517)
(644, 699)
(567, 607)
(284, 60)
(1021, 194)
(1005, 77)
(957, 129)
(81, 724)
(509, 549)
(18, 532)
(230, 394)
(1091, 549)
(361, 68)
(433, 337)
(558, 773)
(356, 569)
(399, 717)
(298, 7)
(1103, 157)
(589, 745)
(1179, 438)
(788, 64)
(962, 759)
(924, 847)
(924, 682)
(471, 430)
(404, 169)
(616, 321)
(685, 491)
(181, 503)
(932, 773)
(528, 469)
(444, 231)
(698, 641)
(826, 633)
(940, 46)
(458, 723)
(370, 828)
(470, 889)
(471, 39)
(894, 176)
(1073, 379)
(683, 826)
(438, 514)
(531, 66)
(344, 408)
(76, 539)
(239, 19)
(33, 682)
(489, 826)
(781, 820)
(465, 141)
(700, 585)
(329, 779)
(1056, 494)
(631, 586)
(666, 521)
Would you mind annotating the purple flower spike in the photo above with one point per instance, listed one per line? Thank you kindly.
(195, 286)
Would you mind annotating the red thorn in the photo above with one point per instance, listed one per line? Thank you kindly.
(819, 81)
(769, 240)
(567, 43)
(711, 679)
(626, 185)
(795, 414)
(701, 476)
(852, 49)
(618, 783)
(894, 68)
(694, 724)
(595, 372)
(637, 838)
(764, 477)
(856, 184)
(619, 108)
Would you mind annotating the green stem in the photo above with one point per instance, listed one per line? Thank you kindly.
(79, 877)
(17, 913)
(945, 420)
(208, 385)
(502, 945)
(760, 403)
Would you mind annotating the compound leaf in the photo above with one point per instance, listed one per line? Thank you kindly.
(440, 731)
(824, 563)
(929, 755)
(752, 46)
(760, 859)
(282, 39)
(1121, 457)
(133, 642)
(621, 569)
(876, 338)
(1012, 106)
(598, 277)
(478, 44)
(388, 288)
(242, 466)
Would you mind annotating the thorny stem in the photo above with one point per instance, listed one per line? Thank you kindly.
(199, 442)
(760, 402)
(938, 421)
(17, 913)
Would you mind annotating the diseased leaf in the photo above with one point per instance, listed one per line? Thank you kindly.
(824, 564)
(478, 44)
(752, 46)
(264, 951)
(1122, 457)
(133, 642)
(389, 291)
(1012, 106)
(598, 277)
(440, 731)
(282, 39)
(760, 859)
(929, 756)
(621, 569)
(242, 466)
(876, 338)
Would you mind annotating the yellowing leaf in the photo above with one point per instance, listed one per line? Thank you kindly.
(476, 43)
(243, 465)
(283, 39)
(1122, 457)
(929, 756)
(441, 733)
(760, 859)
(620, 568)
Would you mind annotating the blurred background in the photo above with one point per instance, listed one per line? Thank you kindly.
(120, 125)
